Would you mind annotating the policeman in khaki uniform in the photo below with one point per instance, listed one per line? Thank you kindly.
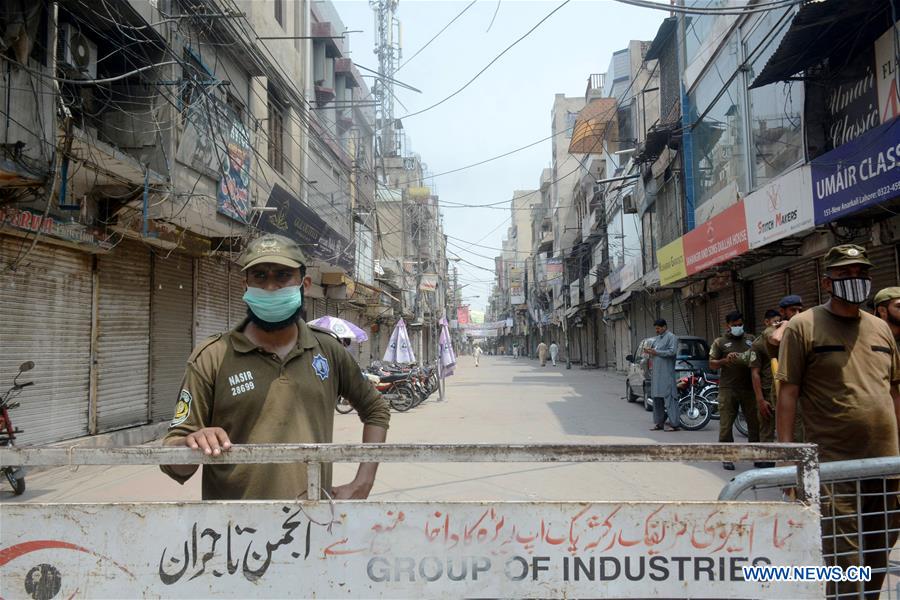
(887, 308)
(735, 386)
(273, 379)
(840, 365)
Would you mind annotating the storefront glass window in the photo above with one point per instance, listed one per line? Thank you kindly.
(718, 138)
(776, 134)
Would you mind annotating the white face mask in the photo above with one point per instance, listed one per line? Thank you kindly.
(854, 290)
(737, 331)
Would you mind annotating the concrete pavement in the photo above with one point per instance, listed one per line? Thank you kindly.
(505, 400)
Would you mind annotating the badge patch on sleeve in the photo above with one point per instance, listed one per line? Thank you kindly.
(320, 366)
(182, 408)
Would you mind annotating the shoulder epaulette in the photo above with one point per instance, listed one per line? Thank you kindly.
(204, 345)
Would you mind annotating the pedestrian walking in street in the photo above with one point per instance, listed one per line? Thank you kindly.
(273, 379)
(763, 379)
(477, 354)
(554, 352)
(735, 385)
(887, 308)
(840, 365)
(663, 350)
(542, 353)
(515, 351)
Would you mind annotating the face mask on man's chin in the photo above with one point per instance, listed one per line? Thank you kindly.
(268, 326)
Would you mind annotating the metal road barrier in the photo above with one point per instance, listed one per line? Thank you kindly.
(393, 549)
(862, 493)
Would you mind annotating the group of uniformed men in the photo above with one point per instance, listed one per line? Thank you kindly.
(829, 376)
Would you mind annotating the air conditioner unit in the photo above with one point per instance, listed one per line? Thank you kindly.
(76, 53)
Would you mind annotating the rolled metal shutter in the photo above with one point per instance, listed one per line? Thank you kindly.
(803, 279)
(885, 272)
(211, 311)
(726, 302)
(46, 306)
(171, 335)
(237, 309)
(767, 292)
(123, 339)
(681, 316)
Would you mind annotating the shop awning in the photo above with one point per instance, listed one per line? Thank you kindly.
(592, 125)
(663, 34)
(823, 28)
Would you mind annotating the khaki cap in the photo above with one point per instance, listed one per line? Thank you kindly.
(847, 254)
(887, 294)
(272, 248)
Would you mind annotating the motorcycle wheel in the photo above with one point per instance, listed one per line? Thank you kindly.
(711, 397)
(402, 398)
(693, 417)
(740, 424)
(17, 483)
(343, 406)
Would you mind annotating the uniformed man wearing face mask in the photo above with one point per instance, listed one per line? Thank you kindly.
(840, 365)
(273, 379)
(735, 383)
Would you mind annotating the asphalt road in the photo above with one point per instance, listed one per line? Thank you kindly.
(505, 400)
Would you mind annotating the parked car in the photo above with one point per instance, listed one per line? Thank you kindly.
(637, 383)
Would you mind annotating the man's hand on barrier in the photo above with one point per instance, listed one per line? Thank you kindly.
(355, 490)
(212, 440)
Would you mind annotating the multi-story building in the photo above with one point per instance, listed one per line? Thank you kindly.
(144, 143)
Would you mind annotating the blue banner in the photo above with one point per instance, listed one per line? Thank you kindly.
(861, 173)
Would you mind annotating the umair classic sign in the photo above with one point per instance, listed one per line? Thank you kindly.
(858, 174)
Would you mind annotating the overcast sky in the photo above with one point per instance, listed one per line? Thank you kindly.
(507, 107)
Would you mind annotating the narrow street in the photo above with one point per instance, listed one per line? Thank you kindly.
(503, 401)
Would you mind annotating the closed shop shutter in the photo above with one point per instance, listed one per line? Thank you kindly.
(237, 309)
(46, 307)
(885, 272)
(767, 292)
(171, 308)
(803, 280)
(213, 287)
(681, 316)
(123, 340)
(667, 312)
(724, 303)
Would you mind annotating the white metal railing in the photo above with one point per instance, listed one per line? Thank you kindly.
(806, 471)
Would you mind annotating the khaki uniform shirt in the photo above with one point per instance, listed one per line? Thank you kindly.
(845, 368)
(258, 399)
(759, 359)
(736, 376)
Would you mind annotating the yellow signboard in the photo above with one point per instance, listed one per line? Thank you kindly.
(671, 262)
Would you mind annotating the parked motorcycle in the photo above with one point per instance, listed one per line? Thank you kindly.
(397, 389)
(14, 475)
(693, 410)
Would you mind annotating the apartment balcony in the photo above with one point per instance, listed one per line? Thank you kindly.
(595, 85)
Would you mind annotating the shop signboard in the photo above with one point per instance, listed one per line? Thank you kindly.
(297, 221)
(719, 239)
(861, 173)
(886, 63)
(671, 262)
(780, 208)
(70, 231)
(553, 268)
(408, 549)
